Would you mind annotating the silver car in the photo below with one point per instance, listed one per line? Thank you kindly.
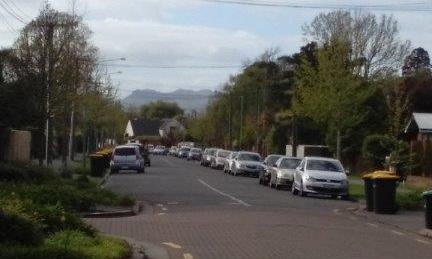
(282, 173)
(220, 159)
(319, 175)
(127, 157)
(248, 163)
(230, 162)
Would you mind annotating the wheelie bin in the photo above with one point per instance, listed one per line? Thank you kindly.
(368, 189)
(97, 165)
(384, 193)
(428, 208)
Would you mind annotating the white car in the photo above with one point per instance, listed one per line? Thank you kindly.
(248, 163)
(319, 175)
(127, 157)
(230, 162)
(220, 159)
(282, 173)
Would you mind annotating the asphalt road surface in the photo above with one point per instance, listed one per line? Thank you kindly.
(198, 212)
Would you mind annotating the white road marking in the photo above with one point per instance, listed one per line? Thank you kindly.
(397, 233)
(187, 256)
(168, 162)
(172, 245)
(422, 241)
(164, 209)
(353, 218)
(161, 214)
(224, 194)
(173, 203)
(160, 205)
(373, 225)
(336, 211)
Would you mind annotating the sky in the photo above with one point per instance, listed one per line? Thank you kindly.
(199, 44)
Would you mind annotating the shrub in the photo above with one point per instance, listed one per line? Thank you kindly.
(24, 172)
(376, 148)
(17, 230)
(82, 170)
(410, 200)
(42, 252)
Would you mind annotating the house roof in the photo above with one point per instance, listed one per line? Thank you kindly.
(145, 127)
(421, 122)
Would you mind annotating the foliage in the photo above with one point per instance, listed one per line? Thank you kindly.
(24, 172)
(71, 245)
(17, 230)
(376, 50)
(160, 110)
(410, 200)
(376, 148)
(416, 61)
(330, 94)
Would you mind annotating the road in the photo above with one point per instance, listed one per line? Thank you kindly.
(197, 212)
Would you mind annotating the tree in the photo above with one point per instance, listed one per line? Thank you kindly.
(330, 94)
(160, 110)
(416, 61)
(375, 49)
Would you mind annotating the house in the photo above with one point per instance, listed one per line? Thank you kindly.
(152, 130)
(419, 133)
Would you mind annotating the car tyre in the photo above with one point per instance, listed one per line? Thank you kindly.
(301, 191)
(294, 191)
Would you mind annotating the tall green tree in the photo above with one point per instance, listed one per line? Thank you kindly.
(331, 94)
(160, 110)
(375, 47)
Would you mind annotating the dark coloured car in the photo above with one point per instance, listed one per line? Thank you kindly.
(269, 161)
(195, 154)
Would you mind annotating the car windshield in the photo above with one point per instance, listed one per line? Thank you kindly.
(195, 150)
(125, 151)
(323, 165)
(272, 159)
(184, 149)
(249, 157)
(223, 154)
(289, 163)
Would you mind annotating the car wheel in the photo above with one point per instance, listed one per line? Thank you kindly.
(294, 191)
(270, 183)
(301, 191)
(334, 196)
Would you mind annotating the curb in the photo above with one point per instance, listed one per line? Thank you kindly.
(134, 210)
(144, 250)
(359, 211)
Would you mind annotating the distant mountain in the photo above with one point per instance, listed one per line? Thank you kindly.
(188, 100)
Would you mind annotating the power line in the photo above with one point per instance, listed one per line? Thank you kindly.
(6, 8)
(423, 6)
(175, 67)
(17, 8)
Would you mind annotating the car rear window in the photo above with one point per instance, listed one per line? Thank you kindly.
(125, 151)
(288, 163)
(323, 165)
(249, 157)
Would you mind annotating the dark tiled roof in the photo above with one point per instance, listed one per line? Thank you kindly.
(145, 127)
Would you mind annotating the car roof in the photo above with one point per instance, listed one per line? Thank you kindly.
(127, 146)
(321, 158)
(248, 152)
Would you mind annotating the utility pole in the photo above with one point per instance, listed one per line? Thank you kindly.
(241, 122)
(48, 136)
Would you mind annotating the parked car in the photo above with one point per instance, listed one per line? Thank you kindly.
(150, 148)
(220, 159)
(173, 151)
(195, 154)
(143, 151)
(282, 173)
(159, 150)
(247, 163)
(319, 175)
(207, 156)
(127, 157)
(183, 152)
(269, 161)
(230, 162)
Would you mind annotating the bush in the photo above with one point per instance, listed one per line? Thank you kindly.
(82, 170)
(376, 148)
(42, 252)
(410, 200)
(17, 230)
(24, 172)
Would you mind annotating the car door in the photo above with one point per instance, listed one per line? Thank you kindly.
(299, 173)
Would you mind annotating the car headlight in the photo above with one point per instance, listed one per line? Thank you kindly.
(309, 178)
(280, 174)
